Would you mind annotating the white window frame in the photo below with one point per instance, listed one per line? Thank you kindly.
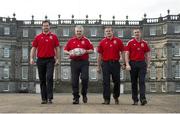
(64, 55)
(121, 88)
(92, 70)
(23, 71)
(121, 74)
(25, 33)
(177, 51)
(37, 74)
(177, 73)
(153, 87)
(164, 29)
(177, 29)
(64, 71)
(164, 73)
(65, 31)
(25, 53)
(6, 52)
(24, 86)
(93, 31)
(120, 33)
(164, 87)
(6, 30)
(6, 70)
(153, 71)
(6, 87)
(153, 52)
(177, 87)
(93, 56)
(152, 31)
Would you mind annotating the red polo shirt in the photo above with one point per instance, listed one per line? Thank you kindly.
(137, 49)
(75, 42)
(110, 48)
(45, 44)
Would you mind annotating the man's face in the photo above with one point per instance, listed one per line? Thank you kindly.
(78, 32)
(137, 33)
(108, 32)
(46, 27)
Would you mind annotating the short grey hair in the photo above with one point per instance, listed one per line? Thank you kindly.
(79, 27)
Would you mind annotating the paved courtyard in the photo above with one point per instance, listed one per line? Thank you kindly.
(30, 103)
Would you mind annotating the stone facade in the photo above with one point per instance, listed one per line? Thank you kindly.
(162, 34)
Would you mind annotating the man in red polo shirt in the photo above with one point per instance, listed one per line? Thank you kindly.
(78, 48)
(137, 61)
(46, 45)
(110, 49)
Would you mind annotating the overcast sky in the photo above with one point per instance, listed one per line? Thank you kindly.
(135, 9)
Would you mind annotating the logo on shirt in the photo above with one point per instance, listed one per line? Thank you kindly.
(142, 44)
(82, 42)
(115, 42)
(50, 37)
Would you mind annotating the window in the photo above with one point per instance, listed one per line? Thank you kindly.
(64, 55)
(6, 31)
(177, 70)
(177, 29)
(38, 31)
(122, 74)
(92, 73)
(164, 52)
(153, 72)
(65, 73)
(176, 51)
(120, 33)
(122, 88)
(38, 90)
(152, 31)
(25, 53)
(66, 32)
(177, 87)
(6, 73)
(164, 87)
(25, 72)
(37, 74)
(23, 86)
(93, 56)
(25, 32)
(152, 87)
(164, 29)
(6, 87)
(6, 52)
(93, 31)
(164, 73)
(153, 53)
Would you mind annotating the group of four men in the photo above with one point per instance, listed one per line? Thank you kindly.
(136, 59)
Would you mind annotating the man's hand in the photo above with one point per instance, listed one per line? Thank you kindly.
(128, 67)
(99, 69)
(56, 61)
(123, 66)
(32, 61)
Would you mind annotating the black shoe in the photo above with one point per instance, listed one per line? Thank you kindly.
(49, 101)
(44, 102)
(85, 99)
(143, 102)
(135, 103)
(75, 101)
(106, 102)
(116, 101)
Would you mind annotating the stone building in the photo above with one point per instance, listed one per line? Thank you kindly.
(162, 34)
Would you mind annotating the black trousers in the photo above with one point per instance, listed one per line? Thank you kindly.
(111, 68)
(79, 69)
(46, 70)
(138, 73)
